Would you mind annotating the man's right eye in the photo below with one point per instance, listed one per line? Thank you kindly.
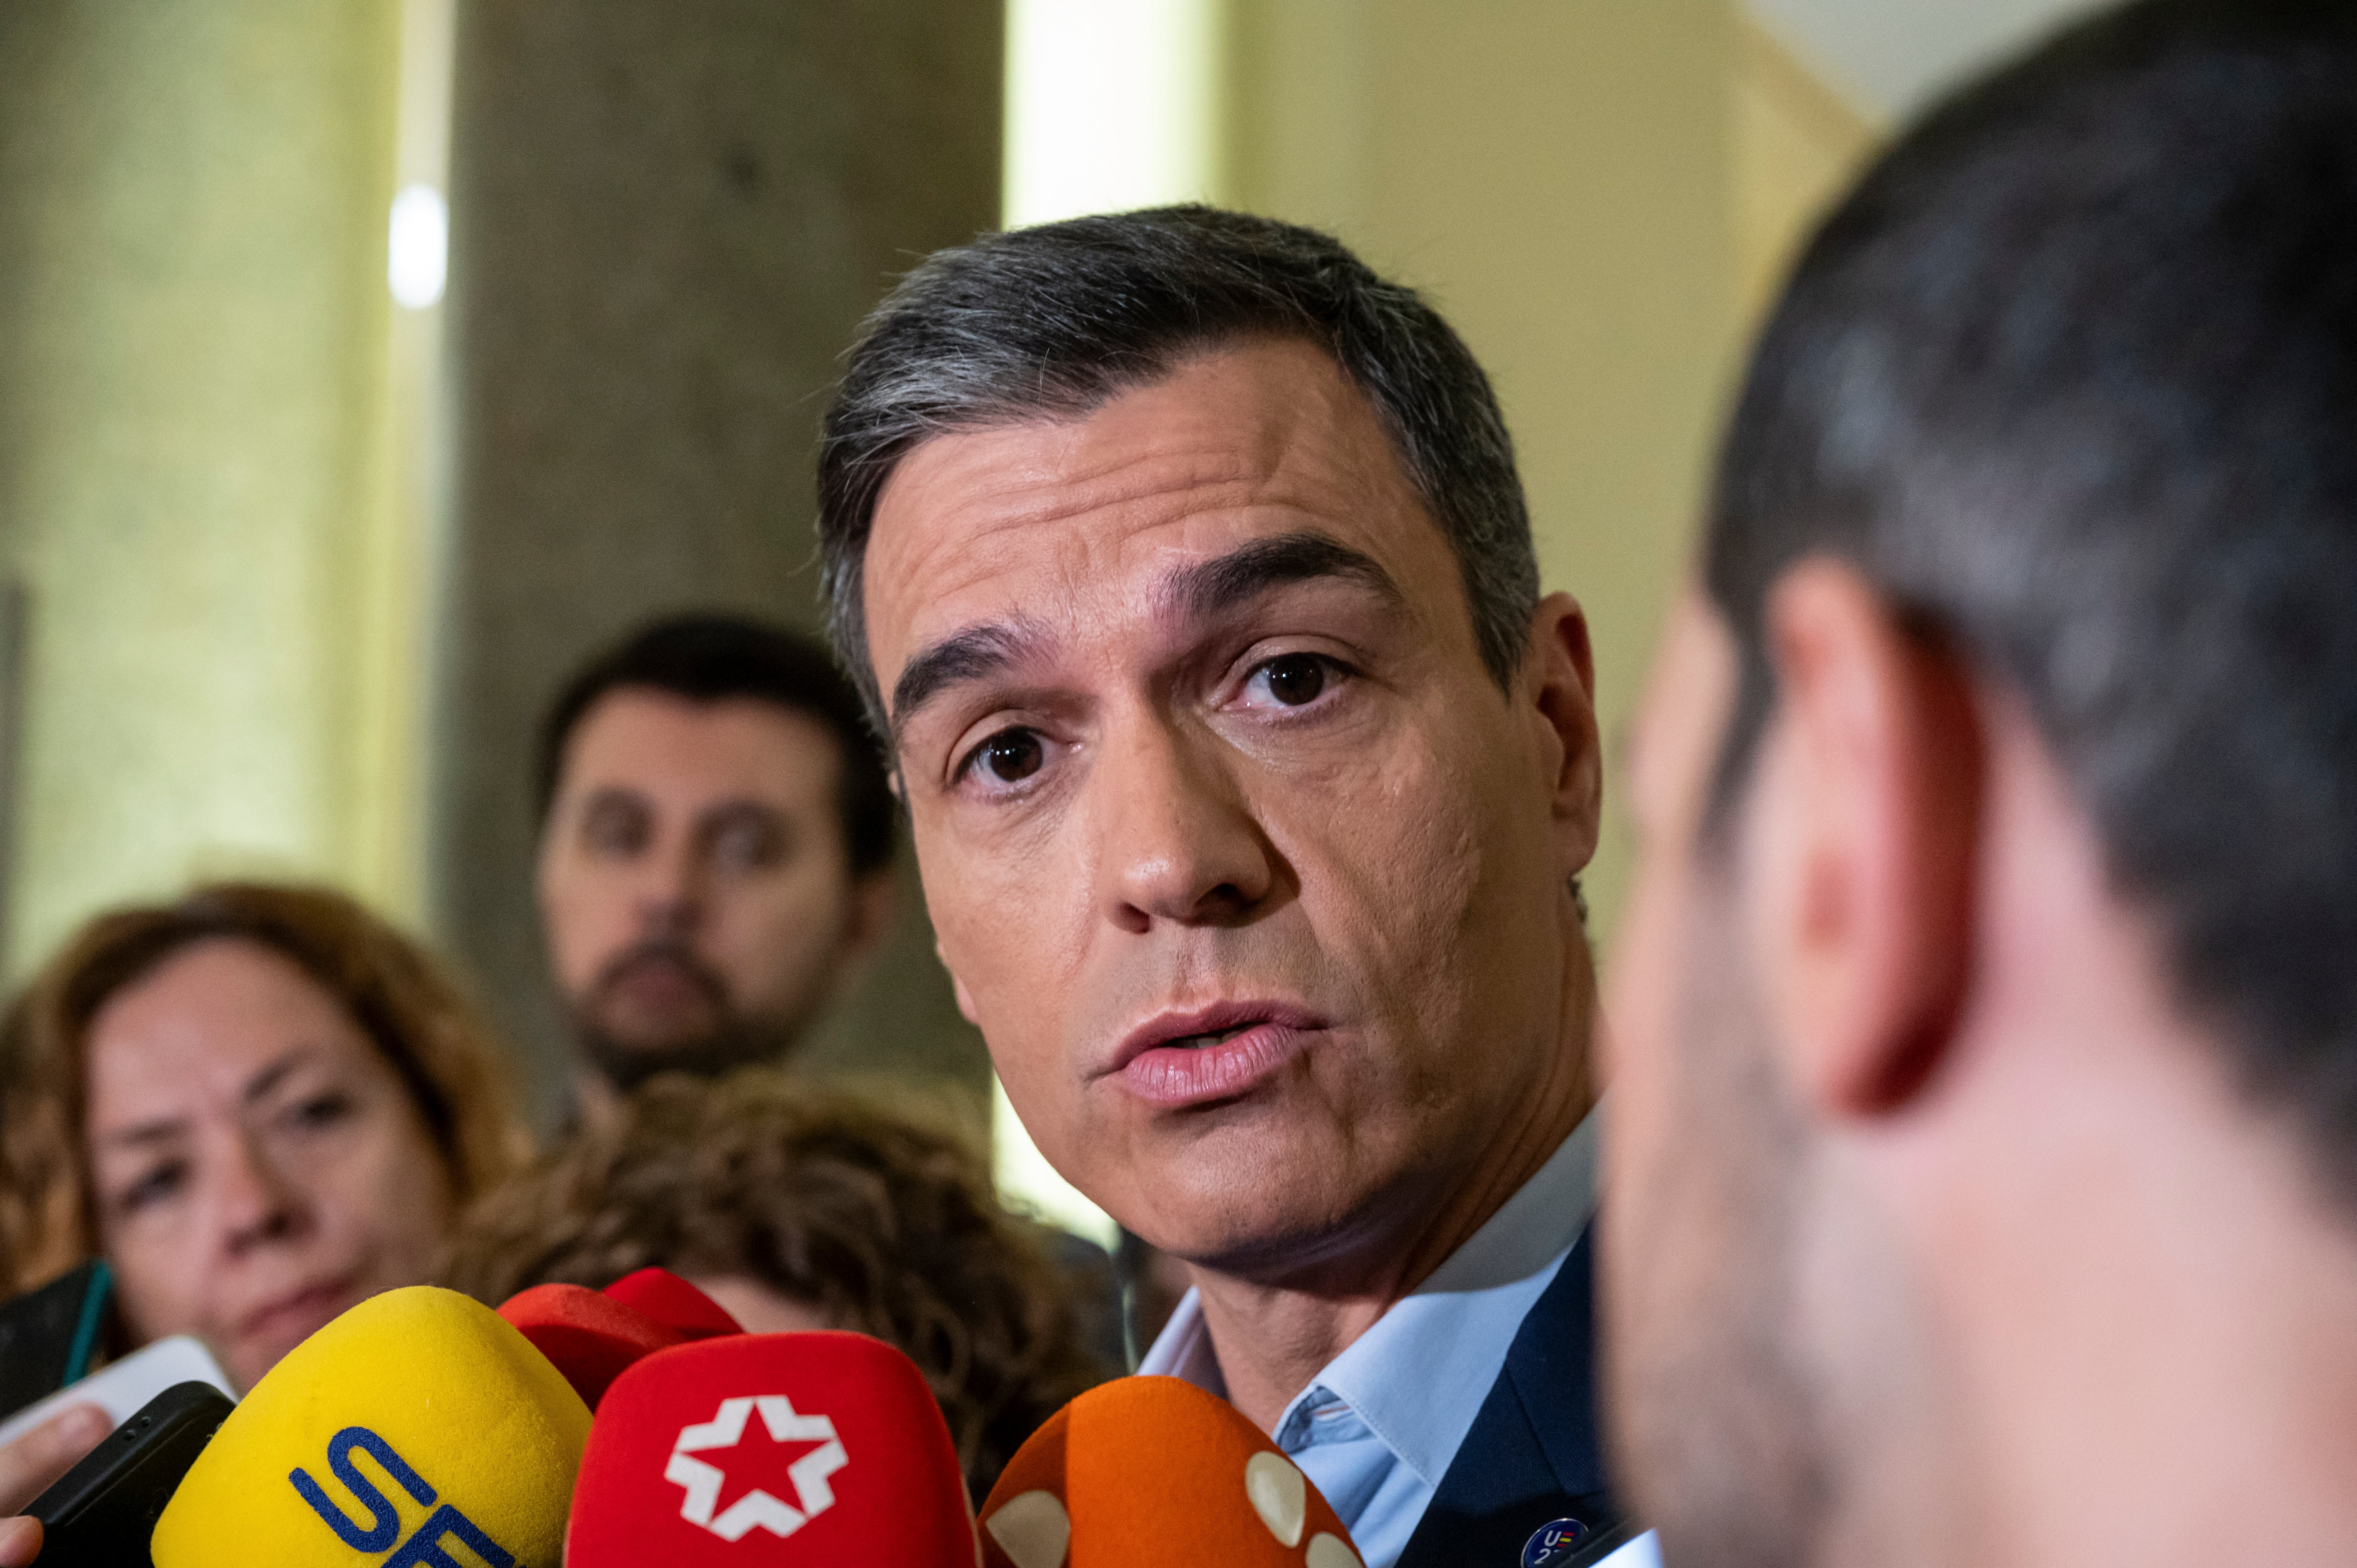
(1008, 758)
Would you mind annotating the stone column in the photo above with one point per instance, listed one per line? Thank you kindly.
(666, 222)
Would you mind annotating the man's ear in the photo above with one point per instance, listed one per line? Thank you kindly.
(1864, 824)
(1561, 669)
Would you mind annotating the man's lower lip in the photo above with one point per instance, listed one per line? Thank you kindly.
(1171, 1077)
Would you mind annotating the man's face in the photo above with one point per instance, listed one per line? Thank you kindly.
(1252, 877)
(1718, 1420)
(694, 887)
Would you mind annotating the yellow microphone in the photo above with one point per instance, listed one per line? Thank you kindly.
(419, 1429)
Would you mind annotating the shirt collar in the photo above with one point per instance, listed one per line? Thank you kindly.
(1419, 1375)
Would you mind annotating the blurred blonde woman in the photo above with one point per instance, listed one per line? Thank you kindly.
(258, 1104)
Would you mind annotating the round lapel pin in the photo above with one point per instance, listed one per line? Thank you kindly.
(1554, 1543)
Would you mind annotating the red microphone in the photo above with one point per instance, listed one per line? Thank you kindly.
(593, 1336)
(1155, 1473)
(802, 1449)
(674, 1302)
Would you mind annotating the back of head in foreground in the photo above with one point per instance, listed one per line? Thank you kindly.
(1986, 1127)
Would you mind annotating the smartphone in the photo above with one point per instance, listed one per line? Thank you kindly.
(104, 1510)
(48, 1335)
(121, 1388)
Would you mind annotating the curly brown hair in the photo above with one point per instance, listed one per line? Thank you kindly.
(447, 1057)
(887, 1225)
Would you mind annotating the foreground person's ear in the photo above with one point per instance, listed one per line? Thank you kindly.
(1864, 835)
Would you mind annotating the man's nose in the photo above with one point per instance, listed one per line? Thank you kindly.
(1179, 840)
(255, 1202)
(670, 892)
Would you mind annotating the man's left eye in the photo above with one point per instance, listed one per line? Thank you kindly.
(1294, 680)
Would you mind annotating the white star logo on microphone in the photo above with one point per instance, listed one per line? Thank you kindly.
(757, 1509)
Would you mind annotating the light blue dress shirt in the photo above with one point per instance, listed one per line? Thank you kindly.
(1377, 1427)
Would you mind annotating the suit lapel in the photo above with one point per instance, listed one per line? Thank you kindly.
(1536, 1453)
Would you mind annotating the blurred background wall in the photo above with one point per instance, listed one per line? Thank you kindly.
(299, 562)
(192, 385)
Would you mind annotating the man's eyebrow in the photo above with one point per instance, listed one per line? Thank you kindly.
(973, 654)
(1194, 592)
(1207, 588)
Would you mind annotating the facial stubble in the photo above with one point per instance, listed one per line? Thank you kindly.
(1721, 1425)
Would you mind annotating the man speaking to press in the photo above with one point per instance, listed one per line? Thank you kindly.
(1185, 564)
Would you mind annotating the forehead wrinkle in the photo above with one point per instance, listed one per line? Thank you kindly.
(1205, 588)
(1095, 464)
(1085, 521)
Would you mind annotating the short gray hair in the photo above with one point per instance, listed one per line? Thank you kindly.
(1051, 322)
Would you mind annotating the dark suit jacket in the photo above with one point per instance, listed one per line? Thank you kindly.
(1536, 1454)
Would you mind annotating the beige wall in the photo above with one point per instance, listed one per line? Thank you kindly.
(1797, 145)
(192, 315)
(1560, 178)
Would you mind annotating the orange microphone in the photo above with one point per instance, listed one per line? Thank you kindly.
(1155, 1473)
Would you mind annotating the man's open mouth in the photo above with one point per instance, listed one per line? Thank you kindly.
(1214, 1037)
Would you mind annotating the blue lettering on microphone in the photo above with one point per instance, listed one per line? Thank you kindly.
(385, 1523)
(422, 1550)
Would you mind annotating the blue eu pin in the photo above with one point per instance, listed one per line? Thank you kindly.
(1554, 1543)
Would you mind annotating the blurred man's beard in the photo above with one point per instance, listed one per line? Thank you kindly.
(1721, 1423)
(731, 1040)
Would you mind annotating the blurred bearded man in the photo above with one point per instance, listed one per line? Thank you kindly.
(716, 850)
(1184, 561)
(1983, 1146)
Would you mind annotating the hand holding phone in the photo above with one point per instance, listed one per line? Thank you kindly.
(104, 1510)
(32, 1464)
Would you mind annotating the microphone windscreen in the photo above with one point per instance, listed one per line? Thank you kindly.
(419, 1424)
(674, 1302)
(1155, 1473)
(588, 1336)
(808, 1449)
